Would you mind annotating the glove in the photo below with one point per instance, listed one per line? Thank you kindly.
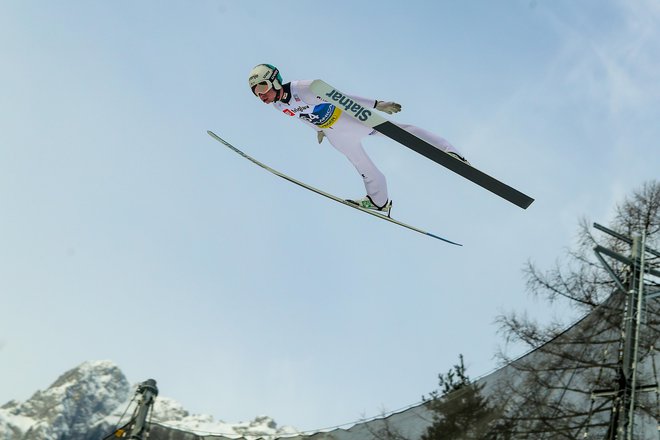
(388, 107)
(320, 135)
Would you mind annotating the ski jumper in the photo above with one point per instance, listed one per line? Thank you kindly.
(345, 133)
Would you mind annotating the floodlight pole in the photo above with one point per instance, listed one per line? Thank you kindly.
(626, 387)
(148, 391)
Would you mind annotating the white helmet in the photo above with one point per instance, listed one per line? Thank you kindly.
(266, 76)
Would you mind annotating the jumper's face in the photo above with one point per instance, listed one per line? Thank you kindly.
(265, 91)
(269, 97)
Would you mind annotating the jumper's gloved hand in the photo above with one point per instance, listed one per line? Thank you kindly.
(388, 107)
(320, 135)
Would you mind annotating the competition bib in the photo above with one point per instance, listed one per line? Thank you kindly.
(323, 115)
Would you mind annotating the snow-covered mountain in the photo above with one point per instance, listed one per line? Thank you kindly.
(87, 402)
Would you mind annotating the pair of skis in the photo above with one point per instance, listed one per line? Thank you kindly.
(323, 193)
(370, 118)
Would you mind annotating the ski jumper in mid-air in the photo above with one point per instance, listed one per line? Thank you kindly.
(344, 132)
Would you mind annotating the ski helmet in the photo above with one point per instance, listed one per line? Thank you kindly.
(264, 77)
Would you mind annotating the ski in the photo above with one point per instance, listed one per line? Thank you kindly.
(325, 194)
(370, 118)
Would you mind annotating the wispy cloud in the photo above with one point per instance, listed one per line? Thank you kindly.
(614, 63)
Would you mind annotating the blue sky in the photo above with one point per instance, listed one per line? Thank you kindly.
(127, 234)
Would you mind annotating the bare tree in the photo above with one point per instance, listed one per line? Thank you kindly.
(553, 389)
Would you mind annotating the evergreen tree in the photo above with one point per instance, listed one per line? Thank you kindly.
(460, 411)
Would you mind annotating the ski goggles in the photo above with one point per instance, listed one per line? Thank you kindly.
(262, 87)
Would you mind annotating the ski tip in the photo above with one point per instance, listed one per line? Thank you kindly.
(443, 239)
(215, 136)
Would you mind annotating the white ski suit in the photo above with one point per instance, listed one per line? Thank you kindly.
(345, 133)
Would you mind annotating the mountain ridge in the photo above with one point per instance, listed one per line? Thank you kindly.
(88, 401)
